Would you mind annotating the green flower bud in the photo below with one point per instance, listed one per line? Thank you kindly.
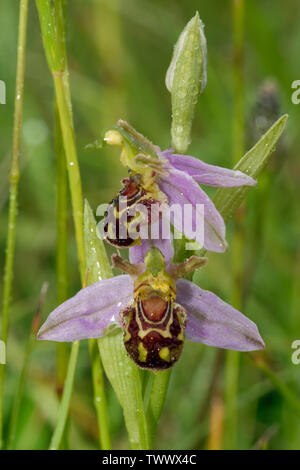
(185, 79)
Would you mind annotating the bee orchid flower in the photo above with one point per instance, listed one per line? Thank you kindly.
(166, 177)
(156, 309)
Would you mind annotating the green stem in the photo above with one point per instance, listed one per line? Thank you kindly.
(99, 395)
(62, 349)
(233, 357)
(24, 372)
(62, 90)
(57, 59)
(288, 395)
(66, 397)
(19, 393)
(97, 268)
(238, 11)
(231, 393)
(53, 34)
(125, 378)
(157, 399)
(13, 192)
(61, 246)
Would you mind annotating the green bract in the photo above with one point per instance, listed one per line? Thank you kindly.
(185, 79)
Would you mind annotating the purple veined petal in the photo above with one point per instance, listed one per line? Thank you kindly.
(89, 312)
(210, 175)
(137, 253)
(214, 322)
(181, 189)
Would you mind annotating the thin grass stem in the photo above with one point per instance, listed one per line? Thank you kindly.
(286, 392)
(24, 371)
(61, 246)
(52, 24)
(13, 192)
(157, 399)
(53, 31)
(233, 357)
(66, 398)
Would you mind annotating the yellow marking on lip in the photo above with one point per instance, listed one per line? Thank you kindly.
(181, 335)
(142, 352)
(164, 354)
(127, 335)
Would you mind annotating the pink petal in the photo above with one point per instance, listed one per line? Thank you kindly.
(89, 312)
(214, 322)
(137, 253)
(181, 189)
(210, 175)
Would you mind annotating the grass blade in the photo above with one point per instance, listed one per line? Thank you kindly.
(13, 191)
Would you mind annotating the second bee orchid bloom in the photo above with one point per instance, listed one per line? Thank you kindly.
(167, 177)
(156, 310)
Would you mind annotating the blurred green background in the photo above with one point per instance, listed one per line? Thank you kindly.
(119, 51)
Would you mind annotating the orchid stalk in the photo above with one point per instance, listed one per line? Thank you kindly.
(53, 34)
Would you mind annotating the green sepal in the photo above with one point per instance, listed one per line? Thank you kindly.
(155, 261)
(135, 140)
(227, 200)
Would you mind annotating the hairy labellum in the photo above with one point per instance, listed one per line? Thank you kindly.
(153, 323)
(154, 332)
(127, 212)
(156, 311)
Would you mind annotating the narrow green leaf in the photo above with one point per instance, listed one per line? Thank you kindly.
(94, 252)
(157, 399)
(122, 373)
(66, 398)
(97, 262)
(125, 378)
(227, 200)
(47, 23)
